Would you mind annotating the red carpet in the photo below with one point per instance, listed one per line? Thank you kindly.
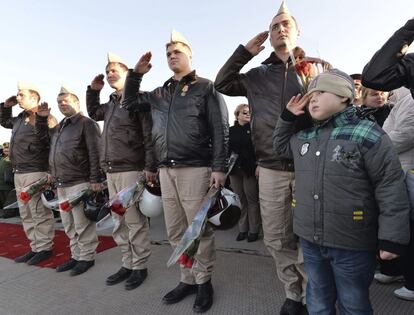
(13, 243)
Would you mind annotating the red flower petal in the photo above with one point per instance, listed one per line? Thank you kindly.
(24, 196)
(189, 263)
(118, 208)
(65, 206)
(183, 259)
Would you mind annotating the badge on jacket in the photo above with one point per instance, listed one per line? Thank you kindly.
(304, 149)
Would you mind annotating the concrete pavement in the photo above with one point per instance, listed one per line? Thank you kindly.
(244, 281)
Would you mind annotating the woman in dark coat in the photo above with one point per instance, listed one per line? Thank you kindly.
(242, 178)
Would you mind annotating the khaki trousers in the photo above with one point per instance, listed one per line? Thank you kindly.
(183, 190)
(247, 189)
(37, 220)
(131, 231)
(275, 192)
(80, 230)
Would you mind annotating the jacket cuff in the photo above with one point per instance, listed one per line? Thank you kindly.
(92, 91)
(41, 119)
(5, 109)
(150, 169)
(134, 75)
(244, 53)
(287, 115)
(392, 247)
(409, 25)
(219, 169)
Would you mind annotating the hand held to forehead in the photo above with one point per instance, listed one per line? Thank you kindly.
(144, 63)
(11, 101)
(297, 104)
(98, 82)
(255, 45)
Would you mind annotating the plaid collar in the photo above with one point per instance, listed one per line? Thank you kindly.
(339, 119)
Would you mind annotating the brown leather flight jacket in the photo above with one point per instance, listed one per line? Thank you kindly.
(126, 142)
(27, 153)
(74, 154)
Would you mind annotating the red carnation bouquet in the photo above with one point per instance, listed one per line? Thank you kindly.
(126, 197)
(69, 203)
(187, 248)
(32, 189)
(187, 258)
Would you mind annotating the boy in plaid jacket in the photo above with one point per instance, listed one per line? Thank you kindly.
(350, 197)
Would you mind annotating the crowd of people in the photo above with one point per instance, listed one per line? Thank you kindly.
(325, 166)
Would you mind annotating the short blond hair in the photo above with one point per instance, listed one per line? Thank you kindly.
(365, 91)
(239, 108)
(175, 43)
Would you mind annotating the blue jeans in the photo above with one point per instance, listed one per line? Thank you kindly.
(337, 275)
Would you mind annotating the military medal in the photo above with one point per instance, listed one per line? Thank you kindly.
(184, 90)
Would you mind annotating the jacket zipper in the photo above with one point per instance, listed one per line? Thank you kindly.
(12, 140)
(107, 124)
(168, 120)
(54, 150)
(284, 87)
(316, 188)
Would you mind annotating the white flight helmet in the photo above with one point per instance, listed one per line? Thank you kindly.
(150, 203)
(226, 211)
(50, 200)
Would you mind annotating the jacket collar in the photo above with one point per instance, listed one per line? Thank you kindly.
(192, 76)
(273, 59)
(72, 119)
(24, 114)
(339, 119)
(246, 125)
(343, 118)
(116, 96)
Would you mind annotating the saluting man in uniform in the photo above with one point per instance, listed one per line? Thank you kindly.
(74, 165)
(190, 132)
(29, 158)
(126, 153)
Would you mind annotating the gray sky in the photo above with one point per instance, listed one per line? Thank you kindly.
(54, 42)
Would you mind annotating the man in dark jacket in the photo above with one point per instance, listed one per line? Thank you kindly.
(190, 131)
(390, 67)
(74, 165)
(268, 89)
(29, 158)
(126, 150)
(7, 191)
(6, 183)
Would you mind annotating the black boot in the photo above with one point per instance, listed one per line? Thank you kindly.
(135, 279)
(291, 307)
(179, 293)
(119, 276)
(204, 298)
(252, 237)
(39, 257)
(25, 257)
(81, 267)
(241, 236)
(67, 265)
